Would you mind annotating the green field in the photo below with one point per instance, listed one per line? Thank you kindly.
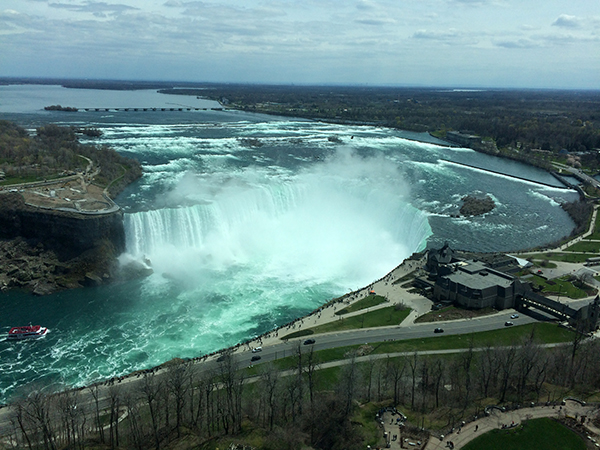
(592, 247)
(537, 434)
(560, 286)
(367, 302)
(382, 317)
(565, 257)
(544, 333)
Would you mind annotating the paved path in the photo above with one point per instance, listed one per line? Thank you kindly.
(497, 419)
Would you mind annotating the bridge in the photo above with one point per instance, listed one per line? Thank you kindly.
(530, 299)
(147, 109)
(585, 319)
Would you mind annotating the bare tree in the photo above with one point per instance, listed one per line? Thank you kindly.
(395, 372)
(312, 366)
(73, 417)
(114, 397)
(488, 369)
(150, 388)
(270, 379)
(507, 361)
(94, 390)
(178, 385)
(413, 364)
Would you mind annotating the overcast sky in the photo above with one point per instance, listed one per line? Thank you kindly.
(459, 43)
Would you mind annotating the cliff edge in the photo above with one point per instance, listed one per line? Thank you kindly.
(44, 250)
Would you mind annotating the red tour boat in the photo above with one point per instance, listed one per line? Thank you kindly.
(28, 331)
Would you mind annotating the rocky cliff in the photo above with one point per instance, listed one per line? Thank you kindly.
(44, 250)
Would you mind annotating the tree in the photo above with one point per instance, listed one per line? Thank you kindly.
(150, 388)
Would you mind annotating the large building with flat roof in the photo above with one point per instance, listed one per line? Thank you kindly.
(471, 284)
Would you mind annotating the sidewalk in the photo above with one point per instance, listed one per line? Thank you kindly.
(384, 287)
(497, 419)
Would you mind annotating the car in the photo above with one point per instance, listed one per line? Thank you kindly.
(514, 316)
(255, 358)
(508, 323)
(438, 330)
(257, 349)
(309, 341)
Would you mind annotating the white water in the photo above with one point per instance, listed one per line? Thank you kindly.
(345, 221)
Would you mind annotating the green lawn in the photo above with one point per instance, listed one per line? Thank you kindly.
(586, 247)
(596, 233)
(560, 286)
(565, 257)
(544, 333)
(379, 318)
(537, 434)
(367, 302)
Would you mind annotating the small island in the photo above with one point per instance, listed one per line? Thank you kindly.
(60, 108)
(476, 206)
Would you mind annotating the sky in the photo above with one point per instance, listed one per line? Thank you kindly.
(454, 43)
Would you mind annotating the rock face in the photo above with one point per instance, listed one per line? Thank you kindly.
(44, 251)
(474, 206)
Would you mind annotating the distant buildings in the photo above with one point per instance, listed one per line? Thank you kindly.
(464, 139)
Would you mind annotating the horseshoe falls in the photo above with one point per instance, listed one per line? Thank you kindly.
(251, 221)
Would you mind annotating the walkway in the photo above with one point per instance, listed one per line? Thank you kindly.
(497, 419)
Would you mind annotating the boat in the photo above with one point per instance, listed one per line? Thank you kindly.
(27, 332)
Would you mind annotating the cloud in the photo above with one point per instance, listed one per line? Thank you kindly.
(438, 35)
(517, 43)
(374, 22)
(567, 21)
(99, 9)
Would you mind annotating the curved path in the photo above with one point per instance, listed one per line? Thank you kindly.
(497, 419)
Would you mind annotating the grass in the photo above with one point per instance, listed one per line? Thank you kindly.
(585, 247)
(596, 233)
(537, 434)
(544, 263)
(563, 257)
(544, 333)
(560, 286)
(367, 302)
(379, 318)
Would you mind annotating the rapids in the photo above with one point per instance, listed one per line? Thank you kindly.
(250, 221)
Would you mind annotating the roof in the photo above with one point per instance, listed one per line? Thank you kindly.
(476, 275)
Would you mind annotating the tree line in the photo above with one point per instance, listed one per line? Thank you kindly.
(304, 405)
(55, 151)
(519, 119)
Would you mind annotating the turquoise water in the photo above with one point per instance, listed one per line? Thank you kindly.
(250, 221)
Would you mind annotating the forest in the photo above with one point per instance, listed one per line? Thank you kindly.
(55, 151)
(298, 403)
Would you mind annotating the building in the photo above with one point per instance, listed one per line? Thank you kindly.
(462, 138)
(474, 285)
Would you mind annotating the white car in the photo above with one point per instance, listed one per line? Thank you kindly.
(257, 349)
(514, 316)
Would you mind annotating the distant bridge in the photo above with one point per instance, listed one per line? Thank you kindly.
(161, 109)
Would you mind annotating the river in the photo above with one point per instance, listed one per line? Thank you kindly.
(250, 221)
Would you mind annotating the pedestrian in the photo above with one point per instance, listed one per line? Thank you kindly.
(476, 427)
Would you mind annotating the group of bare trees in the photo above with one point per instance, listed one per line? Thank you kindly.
(304, 404)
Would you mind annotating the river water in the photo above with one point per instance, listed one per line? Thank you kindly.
(250, 221)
